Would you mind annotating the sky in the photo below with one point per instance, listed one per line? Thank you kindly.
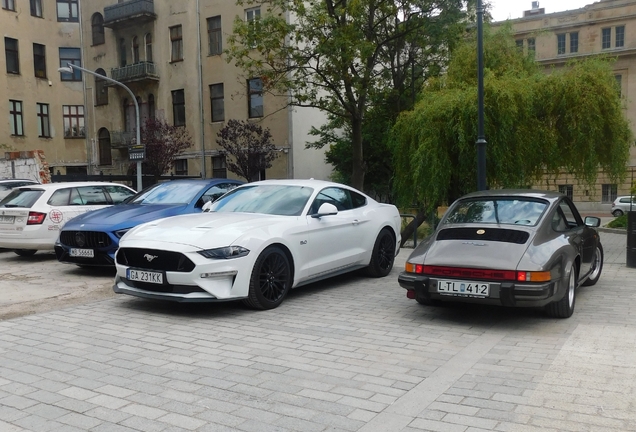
(504, 9)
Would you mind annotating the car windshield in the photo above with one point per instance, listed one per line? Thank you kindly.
(281, 200)
(168, 193)
(21, 198)
(497, 211)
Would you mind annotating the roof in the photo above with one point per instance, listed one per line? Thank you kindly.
(47, 186)
(300, 182)
(526, 193)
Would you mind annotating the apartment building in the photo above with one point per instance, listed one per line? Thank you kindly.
(169, 54)
(607, 27)
(44, 109)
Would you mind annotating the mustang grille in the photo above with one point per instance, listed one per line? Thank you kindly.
(152, 259)
(85, 239)
(492, 234)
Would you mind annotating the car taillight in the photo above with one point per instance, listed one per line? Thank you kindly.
(36, 218)
(470, 273)
(543, 276)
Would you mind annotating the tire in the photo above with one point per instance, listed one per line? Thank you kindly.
(597, 267)
(25, 252)
(427, 302)
(271, 279)
(564, 308)
(617, 213)
(383, 255)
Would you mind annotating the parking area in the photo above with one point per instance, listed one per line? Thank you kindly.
(347, 354)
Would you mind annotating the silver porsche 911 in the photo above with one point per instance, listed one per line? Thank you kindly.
(523, 248)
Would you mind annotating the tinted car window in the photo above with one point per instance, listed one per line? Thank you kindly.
(59, 198)
(93, 195)
(215, 192)
(332, 195)
(357, 200)
(118, 194)
(266, 199)
(571, 215)
(76, 199)
(21, 198)
(497, 211)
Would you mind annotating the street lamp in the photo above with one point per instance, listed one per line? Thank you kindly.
(69, 69)
(481, 139)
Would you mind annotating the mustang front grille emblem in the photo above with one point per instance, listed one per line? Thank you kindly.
(480, 232)
(150, 257)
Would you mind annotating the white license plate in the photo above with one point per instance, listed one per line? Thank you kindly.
(463, 288)
(144, 276)
(7, 219)
(82, 253)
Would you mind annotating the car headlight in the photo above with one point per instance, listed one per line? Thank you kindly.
(120, 233)
(225, 252)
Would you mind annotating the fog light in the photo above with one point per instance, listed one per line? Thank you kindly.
(218, 274)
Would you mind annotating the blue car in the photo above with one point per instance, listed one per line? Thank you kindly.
(92, 238)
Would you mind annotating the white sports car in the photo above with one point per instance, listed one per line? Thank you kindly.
(257, 242)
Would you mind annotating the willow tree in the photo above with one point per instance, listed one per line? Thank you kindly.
(537, 124)
(336, 56)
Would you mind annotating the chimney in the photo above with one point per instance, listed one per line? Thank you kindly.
(536, 10)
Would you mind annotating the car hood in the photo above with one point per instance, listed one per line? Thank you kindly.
(124, 216)
(500, 254)
(205, 230)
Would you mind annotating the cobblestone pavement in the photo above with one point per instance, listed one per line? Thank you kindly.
(349, 354)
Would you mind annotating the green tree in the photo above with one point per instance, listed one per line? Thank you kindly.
(536, 124)
(338, 56)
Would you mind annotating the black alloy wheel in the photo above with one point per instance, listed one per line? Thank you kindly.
(271, 279)
(383, 255)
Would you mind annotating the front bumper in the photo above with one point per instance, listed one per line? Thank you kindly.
(101, 258)
(501, 293)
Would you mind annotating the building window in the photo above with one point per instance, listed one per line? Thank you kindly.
(8, 4)
(606, 38)
(566, 190)
(619, 84)
(253, 16)
(214, 36)
(36, 8)
(44, 122)
(255, 97)
(15, 118)
(105, 155)
(178, 107)
(574, 42)
(135, 49)
(67, 10)
(609, 193)
(519, 44)
(101, 89)
(11, 55)
(532, 47)
(216, 97)
(218, 167)
(148, 43)
(181, 167)
(176, 41)
(97, 28)
(122, 52)
(73, 121)
(39, 60)
(151, 106)
(620, 36)
(72, 56)
(561, 43)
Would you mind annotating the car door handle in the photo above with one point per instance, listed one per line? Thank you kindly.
(355, 222)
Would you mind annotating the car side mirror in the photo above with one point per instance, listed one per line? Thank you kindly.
(325, 209)
(206, 207)
(592, 221)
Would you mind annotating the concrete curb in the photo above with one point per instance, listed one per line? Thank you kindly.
(612, 230)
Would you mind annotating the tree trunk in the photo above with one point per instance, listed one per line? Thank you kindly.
(408, 231)
(357, 169)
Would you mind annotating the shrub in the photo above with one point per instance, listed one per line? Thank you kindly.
(619, 222)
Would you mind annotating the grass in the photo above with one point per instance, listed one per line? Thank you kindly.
(619, 222)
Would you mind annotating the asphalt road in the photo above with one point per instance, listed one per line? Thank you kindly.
(348, 354)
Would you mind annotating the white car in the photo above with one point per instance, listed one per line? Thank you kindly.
(31, 216)
(622, 205)
(7, 185)
(258, 241)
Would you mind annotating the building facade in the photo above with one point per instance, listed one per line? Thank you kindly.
(169, 54)
(607, 27)
(43, 108)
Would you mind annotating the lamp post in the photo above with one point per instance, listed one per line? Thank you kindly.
(69, 69)
(481, 139)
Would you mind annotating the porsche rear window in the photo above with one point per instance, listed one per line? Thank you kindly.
(24, 198)
(497, 211)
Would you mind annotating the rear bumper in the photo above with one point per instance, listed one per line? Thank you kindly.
(502, 294)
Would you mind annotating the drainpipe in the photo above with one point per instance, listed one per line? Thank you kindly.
(200, 72)
(87, 139)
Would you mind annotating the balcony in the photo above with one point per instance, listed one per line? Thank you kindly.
(121, 139)
(129, 13)
(135, 72)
